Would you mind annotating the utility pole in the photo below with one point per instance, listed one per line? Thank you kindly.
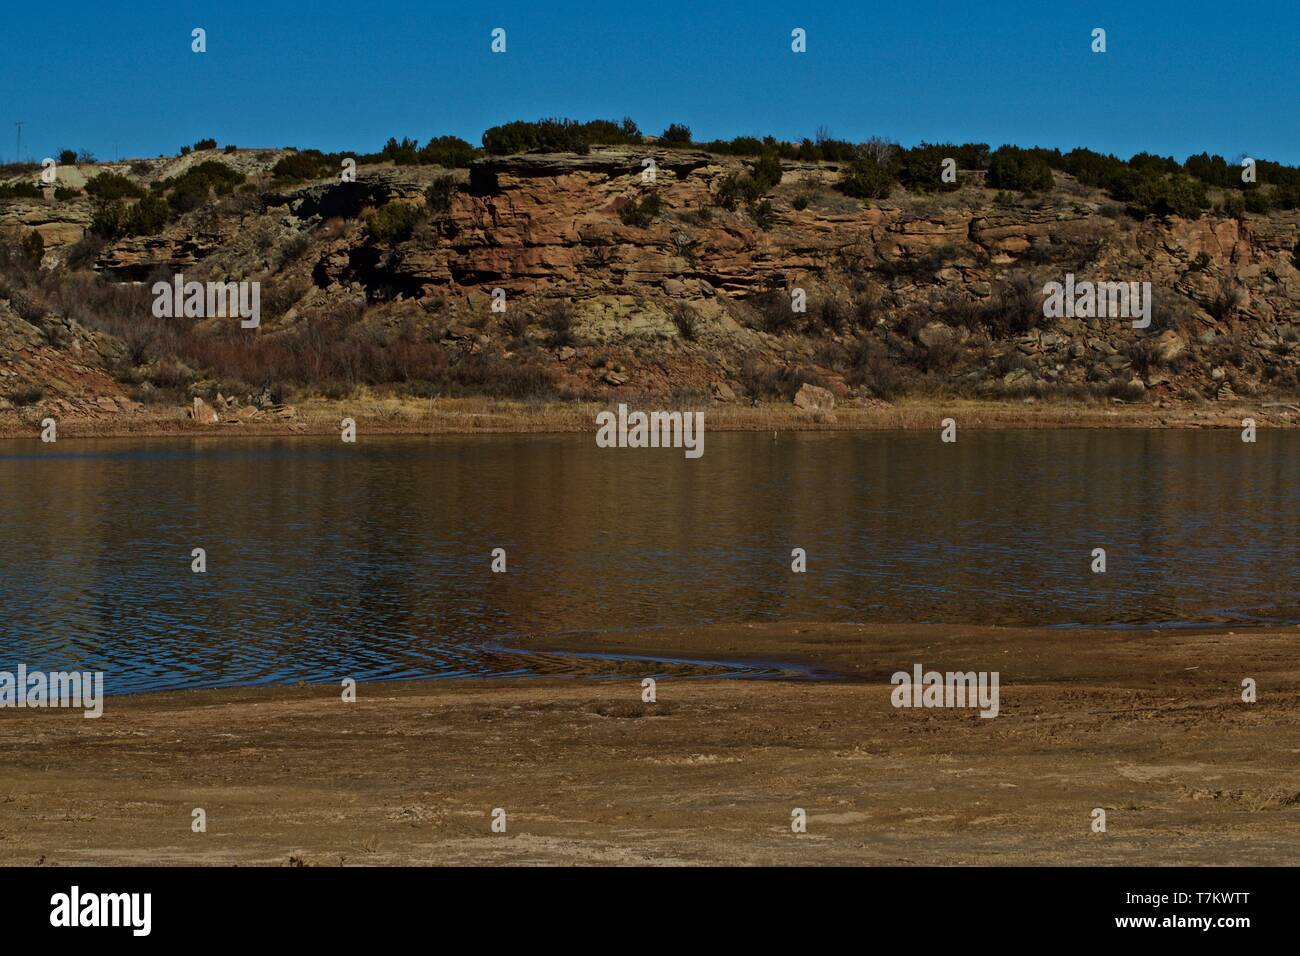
(18, 150)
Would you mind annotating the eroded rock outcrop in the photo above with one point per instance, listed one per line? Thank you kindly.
(913, 291)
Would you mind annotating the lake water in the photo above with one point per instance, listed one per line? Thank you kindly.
(372, 560)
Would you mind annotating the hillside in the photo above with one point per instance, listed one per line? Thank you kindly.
(675, 296)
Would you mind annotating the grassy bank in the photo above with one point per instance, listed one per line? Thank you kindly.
(451, 416)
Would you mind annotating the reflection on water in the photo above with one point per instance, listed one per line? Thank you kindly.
(372, 560)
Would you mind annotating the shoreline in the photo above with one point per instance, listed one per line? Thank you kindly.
(374, 416)
(1148, 726)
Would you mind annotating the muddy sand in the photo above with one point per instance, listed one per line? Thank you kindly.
(1148, 726)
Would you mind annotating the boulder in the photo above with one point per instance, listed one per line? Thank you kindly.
(936, 333)
(1168, 346)
(813, 398)
(722, 392)
(203, 413)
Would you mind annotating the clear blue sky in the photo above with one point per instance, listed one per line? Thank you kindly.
(119, 78)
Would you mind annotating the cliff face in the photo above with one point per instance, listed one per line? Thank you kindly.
(937, 293)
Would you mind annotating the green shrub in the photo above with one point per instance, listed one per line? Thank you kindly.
(558, 135)
(1013, 168)
(865, 178)
(67, 157)
(146, 217)
(205, 144)
(609, 133)
(438, 196)
(1285, 197)
(1166, 195)
(561, 136)
(641, 212)
(404, 153)
(1154, 165)
(110, 186)
(921, 167)
(1212, 170)
(548, 135)
(830, 150)
(731, 191)
(1256, 201)
(450, 152)
(190, 189)
(514, 137)
(63, 193)
(629, 129)
(836, 150)
(1094, 169)
(20, 190)
(762, 214)
(677, 134)
(1233, 205)
(970, 155)
(393, 222)
(302, 167)
(766, 174)
(750, 188)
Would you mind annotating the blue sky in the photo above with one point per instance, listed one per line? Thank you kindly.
(119, 78)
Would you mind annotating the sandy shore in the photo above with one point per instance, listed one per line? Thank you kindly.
(1148, 726)
(377, 416)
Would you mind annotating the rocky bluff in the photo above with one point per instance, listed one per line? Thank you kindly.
(607, 283)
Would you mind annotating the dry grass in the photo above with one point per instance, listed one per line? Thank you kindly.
(394, 416)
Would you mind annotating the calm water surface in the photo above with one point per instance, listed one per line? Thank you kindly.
(372, 560)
